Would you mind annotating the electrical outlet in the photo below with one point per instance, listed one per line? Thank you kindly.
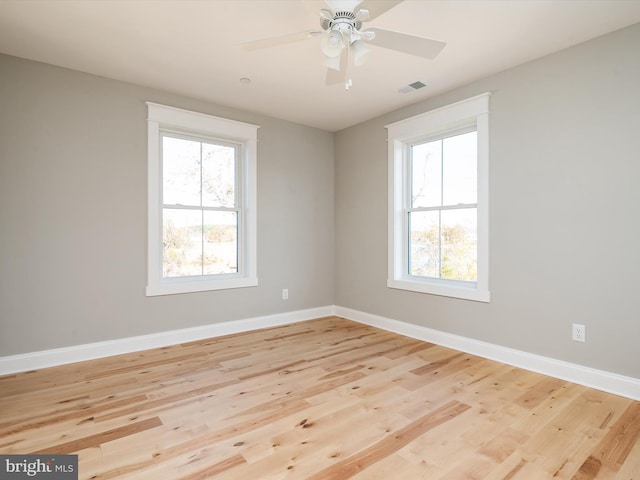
(579, 332)
(285, 294)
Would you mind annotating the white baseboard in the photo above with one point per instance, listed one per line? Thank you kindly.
(79, 353)
(590, 377)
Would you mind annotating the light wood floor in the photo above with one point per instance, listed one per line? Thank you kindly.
(325, 399)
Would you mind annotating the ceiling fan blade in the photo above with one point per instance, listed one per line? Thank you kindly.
(335, 76)
(403, 42)
(279, 40)
(337, 5)
(378, 7)
(326, 14)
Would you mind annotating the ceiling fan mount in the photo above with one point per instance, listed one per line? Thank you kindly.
(343, 38)
(339, 18)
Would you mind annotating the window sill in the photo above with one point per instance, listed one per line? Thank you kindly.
(465, 293)
(191, 286)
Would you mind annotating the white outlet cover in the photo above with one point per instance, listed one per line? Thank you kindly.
(579, 332)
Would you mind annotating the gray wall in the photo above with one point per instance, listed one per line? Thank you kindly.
(564, 215)
(73, 216)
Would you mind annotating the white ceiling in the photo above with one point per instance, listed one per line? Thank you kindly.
(193, 47)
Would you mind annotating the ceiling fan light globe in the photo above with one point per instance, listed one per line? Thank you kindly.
(359, 52)
(368, 35)
(333, 63)
(332, 44)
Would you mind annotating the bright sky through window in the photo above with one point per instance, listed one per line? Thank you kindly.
(443, 204)
(199, 221)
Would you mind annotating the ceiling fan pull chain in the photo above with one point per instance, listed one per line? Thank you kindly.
(349, 83)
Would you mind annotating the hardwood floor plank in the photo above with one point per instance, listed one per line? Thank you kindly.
(218, 468)
(542, 390)
(503, 445)
(100, 438)
(514, 471)
(589, 469)
(437, 365)
(82, 414)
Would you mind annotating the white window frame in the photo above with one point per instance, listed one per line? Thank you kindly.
(207, 127)
(473, 112)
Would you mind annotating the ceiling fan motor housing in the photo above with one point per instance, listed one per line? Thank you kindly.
(343, 20)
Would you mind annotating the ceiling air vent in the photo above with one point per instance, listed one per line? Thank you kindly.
(412, 86)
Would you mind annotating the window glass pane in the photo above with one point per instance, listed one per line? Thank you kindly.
(180, 171)
(459, 243)
(426, 174)
(460, 171)
(218, 175)
(424, 244)
(181, 242)
(220, 242)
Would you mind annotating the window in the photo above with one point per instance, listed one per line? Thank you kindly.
(439, 201)
(202, 202)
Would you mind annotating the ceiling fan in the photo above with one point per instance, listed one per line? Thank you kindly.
(343, 39)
